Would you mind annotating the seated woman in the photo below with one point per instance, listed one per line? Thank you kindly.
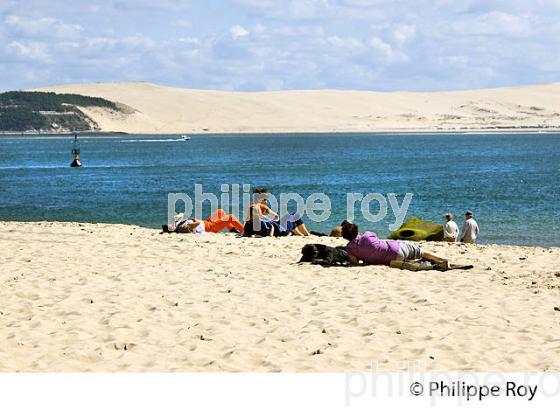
(262, 205)
(255, 225)
(273, 224)
(216, 223)
(260, 224)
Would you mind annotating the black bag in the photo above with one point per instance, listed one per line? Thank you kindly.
(319, 254)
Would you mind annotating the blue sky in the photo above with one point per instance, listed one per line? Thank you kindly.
(248, 45)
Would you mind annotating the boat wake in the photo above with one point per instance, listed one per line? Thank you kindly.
(157, 140)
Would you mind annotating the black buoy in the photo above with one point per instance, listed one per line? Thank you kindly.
(76, 153)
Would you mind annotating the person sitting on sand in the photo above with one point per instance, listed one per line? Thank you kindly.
(337, 230)
(450, 229)
(371, 250)
(287, 225)
(216, 223)
(290, 224)
(470, 229)
(255, 224)
(263, 205)
(277, 226)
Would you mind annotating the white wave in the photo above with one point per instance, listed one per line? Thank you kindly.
(156, 140)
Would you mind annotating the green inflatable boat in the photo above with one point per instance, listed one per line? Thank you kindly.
(416, 229)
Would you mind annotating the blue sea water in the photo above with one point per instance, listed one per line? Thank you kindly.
(510, 181)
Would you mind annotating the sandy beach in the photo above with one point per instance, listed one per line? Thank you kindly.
(154, 109)
(95, 297)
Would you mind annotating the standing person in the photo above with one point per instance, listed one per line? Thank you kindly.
(450, 229)
(367, 247)
(470, 229)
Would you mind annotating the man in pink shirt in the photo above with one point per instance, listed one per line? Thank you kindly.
(371, 250)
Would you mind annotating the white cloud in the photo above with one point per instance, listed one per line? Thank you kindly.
(138, 41)
(258, 29)
(305, 31)
(403, 33)
(269, 44)
(182, 23)
(455, 60)
(34, 51)
(316, 10)
(238, 31)
(42, 27)
(100, 43)
(150, 5)
(347, 44)
(494, 23)
(189, 40)
(388, 53)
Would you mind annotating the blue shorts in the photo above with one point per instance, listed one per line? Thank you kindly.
(288, 223)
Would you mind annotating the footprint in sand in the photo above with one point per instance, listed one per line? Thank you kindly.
(122, 346)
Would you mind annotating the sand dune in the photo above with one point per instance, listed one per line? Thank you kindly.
(82, 297)
(157, 109)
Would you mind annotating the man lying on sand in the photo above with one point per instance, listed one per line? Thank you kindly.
(371, 250)
(216, 223)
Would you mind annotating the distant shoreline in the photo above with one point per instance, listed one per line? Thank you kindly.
(36, 133)
(153, 109)
(235, 133)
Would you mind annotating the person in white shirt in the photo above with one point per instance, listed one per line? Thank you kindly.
(450, 229)
(470, 229)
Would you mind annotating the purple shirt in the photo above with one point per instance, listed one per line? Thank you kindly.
(372, 250)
